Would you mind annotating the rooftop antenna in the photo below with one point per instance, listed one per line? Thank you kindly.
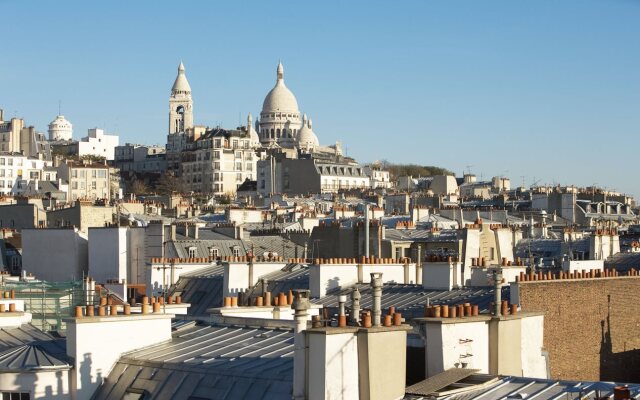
(468, 168)
(59, 107)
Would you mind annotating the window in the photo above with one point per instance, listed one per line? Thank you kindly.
(1, 161)
(9, 161)
(214, 252)
(239, 177)
(15, 396)
(192, 251)
(236, 251)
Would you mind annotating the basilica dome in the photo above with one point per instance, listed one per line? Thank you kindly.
(280, 99)
(306, 137)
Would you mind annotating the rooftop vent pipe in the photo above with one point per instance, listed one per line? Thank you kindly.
(376, 285)
(355, 306)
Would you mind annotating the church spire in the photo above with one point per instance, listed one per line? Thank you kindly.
(181, 84)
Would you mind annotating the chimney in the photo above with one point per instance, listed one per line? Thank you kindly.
(376, 286)
(1, 115)
(497, 281)
(366, 230)
(355, 306)
(87, 335)
(240, 232)
(300, 305)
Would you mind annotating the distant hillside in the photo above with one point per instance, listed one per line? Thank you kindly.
(415, 170)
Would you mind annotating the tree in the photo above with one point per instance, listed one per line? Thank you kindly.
(169, 183)
(138, 187)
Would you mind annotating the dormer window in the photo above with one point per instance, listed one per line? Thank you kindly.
(214, 252)
(191, 250)
(236, 251)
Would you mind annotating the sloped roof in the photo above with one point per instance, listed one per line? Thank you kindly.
(29, 357)
(28, 348)
(209, 361)
(202, 289)
(411, 299)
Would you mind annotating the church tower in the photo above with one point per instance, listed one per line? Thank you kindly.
(180, 104)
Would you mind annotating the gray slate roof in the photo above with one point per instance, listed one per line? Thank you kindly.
(623, 261)
(209, 362)
(29, 357)
(538, 389)
(291, 277)
(411, 299)
(28, 348)
(202, 289)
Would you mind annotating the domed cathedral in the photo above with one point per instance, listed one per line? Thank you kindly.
(180, 104)
(280, 117)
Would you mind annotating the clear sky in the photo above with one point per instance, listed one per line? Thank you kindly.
(547, 89)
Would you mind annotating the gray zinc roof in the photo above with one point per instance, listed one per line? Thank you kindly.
(411, 299)
(28, 348)
(29, 357)
(208, 362)
(202, 289)
(533, 388)
(291, 277)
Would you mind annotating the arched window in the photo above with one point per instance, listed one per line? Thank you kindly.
(278, 133)
(272, 134)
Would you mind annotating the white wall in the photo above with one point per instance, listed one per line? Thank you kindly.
(325, 277)
(441, 275)
(108, 254)
(504, 242)
(533, 363)
(447, 343)
(242, 215)
(482, 276)
(238, 276)
(272, 312)
(579, 265)
(44, 384)
(333, 366)
(54, 255)
(96, 343)
(162, 275)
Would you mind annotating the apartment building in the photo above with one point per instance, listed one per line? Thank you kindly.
(219, 161)
(86, 180)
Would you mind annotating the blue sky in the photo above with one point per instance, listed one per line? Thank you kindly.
(547, 90)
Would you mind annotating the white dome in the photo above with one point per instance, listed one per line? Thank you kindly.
(60, 122)
(181, 85)
(60, 129)
(306, 137)
(280, 98)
